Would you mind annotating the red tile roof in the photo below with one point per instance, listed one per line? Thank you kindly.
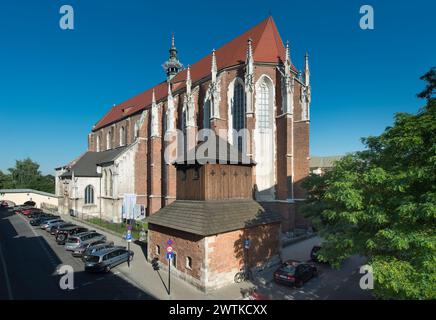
(267, 47)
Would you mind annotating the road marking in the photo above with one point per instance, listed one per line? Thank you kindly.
(101, 278)
(8, 284)
(86, 284)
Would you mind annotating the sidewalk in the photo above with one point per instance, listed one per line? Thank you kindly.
(141, 274)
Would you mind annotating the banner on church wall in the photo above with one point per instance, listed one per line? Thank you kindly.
(129, 205)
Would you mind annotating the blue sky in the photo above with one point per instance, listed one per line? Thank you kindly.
(55, 84)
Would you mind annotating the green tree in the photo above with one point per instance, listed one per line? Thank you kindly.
(381, 203)
(26, 175)
(5, 181)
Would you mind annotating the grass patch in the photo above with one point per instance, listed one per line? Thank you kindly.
(120, 228)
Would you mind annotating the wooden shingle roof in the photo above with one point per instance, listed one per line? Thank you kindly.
(212, 217)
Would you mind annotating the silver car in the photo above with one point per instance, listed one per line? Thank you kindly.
(49, 223)
(105, 260)
(93, 248)
(82, 239)
(78, 252)
(53, 225)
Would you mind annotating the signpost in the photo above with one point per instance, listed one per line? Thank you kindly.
(170, 256)
(128, 239)
(247, 244)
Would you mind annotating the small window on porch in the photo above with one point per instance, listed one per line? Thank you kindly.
(189, 263)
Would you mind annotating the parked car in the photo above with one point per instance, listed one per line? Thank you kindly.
(53, 224)
(36, 214)
(29, 211)
(48, 223)
(39, 220)
(93, 248)
(80, 240)
(42, 219)
(78, 252)
(105, 260)
(4, 204)
(21, 208)
(314, 253)
(30, 203)
(54, 229)
(64, 233)
(295, 273)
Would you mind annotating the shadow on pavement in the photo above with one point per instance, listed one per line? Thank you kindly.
(32, 269)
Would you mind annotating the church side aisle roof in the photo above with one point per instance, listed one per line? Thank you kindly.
(86, 165)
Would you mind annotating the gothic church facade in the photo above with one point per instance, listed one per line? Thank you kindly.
(249, 83)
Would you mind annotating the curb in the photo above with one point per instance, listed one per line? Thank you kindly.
(97, 227)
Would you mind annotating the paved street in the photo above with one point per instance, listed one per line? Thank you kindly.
(29, 258)
(330, 284)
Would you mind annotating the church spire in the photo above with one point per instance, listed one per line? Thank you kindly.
(213, 67)
(154, 116)
(188, 81)
(249, 77)
(288, 52)
(306, 70)
(172, 66)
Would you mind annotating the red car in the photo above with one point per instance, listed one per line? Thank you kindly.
(28, 211)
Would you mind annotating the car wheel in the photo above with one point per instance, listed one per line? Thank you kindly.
(238, 277)
(61, 237)
(107, 269)
(299, 283)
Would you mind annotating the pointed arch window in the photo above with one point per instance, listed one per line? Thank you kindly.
(122, 136)
(136, 130)
(108, 140)
(264, 114)
(97, 144)
(89, 195)
(206, 114)
(238, 107)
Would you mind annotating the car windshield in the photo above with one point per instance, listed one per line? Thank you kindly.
(92, 259)
(288, 269)
(72, 240)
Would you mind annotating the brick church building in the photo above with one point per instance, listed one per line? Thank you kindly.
(249, 83)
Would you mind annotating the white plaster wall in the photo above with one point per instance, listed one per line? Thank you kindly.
(21, 197)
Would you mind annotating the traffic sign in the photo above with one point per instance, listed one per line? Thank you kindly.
(129, 236)
(170, 256)
(169, 242)
(169, 249)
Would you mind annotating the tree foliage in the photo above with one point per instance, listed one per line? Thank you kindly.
(381, 203)
(26, 175)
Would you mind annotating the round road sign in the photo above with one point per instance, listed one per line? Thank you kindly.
(169, 249)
